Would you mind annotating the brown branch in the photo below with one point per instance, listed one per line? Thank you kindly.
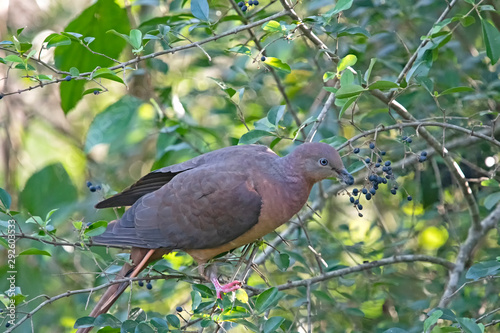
(359, 268)
(474, 237)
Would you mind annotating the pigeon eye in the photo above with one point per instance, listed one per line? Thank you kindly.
(323, 161)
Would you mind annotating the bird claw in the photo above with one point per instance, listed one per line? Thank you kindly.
(225, 288)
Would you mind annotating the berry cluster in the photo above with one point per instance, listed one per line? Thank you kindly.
(93, 188)
(148, 284)
(374, 179)
(406, 139)
(244, 5)
(423, 157)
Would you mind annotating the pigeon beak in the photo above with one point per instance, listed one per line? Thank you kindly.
(345, 177)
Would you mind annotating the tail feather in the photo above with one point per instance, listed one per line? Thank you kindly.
(138, 255)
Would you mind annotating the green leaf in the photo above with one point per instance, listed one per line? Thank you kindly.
(272, 26)
(348, 60)
(5, 198)
(200, 9)
(135, 38)
(421, 66)
(116, 33)
(368, 72)
(34, 252)
(282, 260)
(106, 319)
(106, 73)
(272, 324)
(58, 40)
(341, 5)
(159, 322)
(4, 243)
(383, 85)
(426, 83)
(115, 124)
(241, 49)
(490, 183)
(205, 291)
(144, 328)
(275, 114)
(355, 167)
(74, 71)
(483, 269)
(35, 220)
(347, 79)
(467, 21)
(93, 21)
(349, 91)
(96, 228)
(14, 58)
(84, 322)
(48, 188)
(346, 105)
(278, 64)
(456, 90)
(469, 325)
(253, 136)
(432, 319)
(173, 320)
(265, 300)
(491, 200)
(328, 76)
(196, 299)
(236, 312)
(334, 141)
(491, 38)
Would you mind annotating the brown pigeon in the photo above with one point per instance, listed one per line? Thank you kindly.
(212, 204)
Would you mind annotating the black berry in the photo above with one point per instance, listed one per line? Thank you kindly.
(92, 188)
(98, 187)
(241, 3)
(422, 159)
(377, 165)
(88, 184)
(393, 191)
(355, 191)
(178, 309)
(244, 8)
(382, 153)
(387, 163)
(96, 92)
(67, 78)
(372, 145)
(140, 283)
(1, 96)
(409, 140)
(424, 153)
(368, 196)
(149, 286)
(367, 160)
(373, 191)
(404, 138)
(360, 206)
(364, 191)
(360, 215)
(351, 199)
(356, 150)
(409, 198)
(255, 3)
(263, 58)
(7, 325)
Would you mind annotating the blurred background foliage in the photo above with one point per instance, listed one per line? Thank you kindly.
(163, 110)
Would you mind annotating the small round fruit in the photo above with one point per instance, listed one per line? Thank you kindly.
(372, 145)
(149, 286)
(67, 78)
(178, 309)
(92, 188)
(356, 150)
(244, 8)
(241, 3)
(140, 283)
(409, 198)
(262, 58)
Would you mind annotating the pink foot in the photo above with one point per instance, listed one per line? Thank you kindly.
(226, 288)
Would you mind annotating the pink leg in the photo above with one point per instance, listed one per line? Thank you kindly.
(226, 288)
